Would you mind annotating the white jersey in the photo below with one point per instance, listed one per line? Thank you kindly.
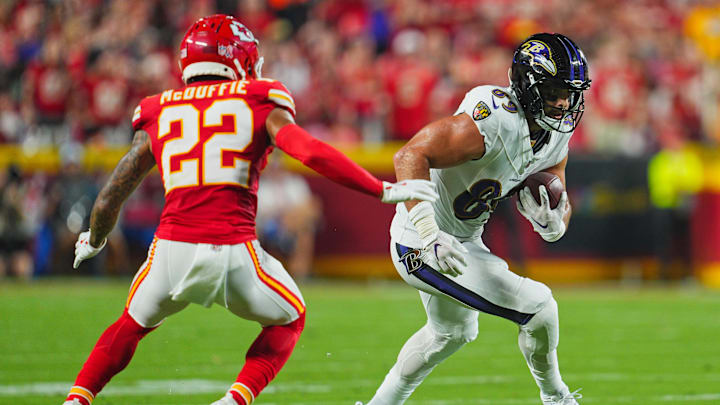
(470, 191)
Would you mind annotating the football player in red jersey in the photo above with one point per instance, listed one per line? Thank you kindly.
(210, 141)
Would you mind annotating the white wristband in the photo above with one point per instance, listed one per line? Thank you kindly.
(422, 216)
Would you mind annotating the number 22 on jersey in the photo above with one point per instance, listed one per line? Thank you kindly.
(215, 169)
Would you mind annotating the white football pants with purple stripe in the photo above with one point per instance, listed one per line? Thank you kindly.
(452, 305)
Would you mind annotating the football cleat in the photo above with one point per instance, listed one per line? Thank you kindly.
(226, 400)
(567, 399)
(75, 401)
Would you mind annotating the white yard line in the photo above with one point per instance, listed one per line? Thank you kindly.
(154, 387)
(695, 397)
(199, 386)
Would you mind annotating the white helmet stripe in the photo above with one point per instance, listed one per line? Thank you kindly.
(208, 68)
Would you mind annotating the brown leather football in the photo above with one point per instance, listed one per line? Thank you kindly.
(552, 183)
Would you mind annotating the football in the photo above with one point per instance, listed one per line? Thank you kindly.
(552, 183)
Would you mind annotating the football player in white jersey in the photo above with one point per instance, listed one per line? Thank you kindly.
(495, 140)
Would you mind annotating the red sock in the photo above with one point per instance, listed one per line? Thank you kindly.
(81, 394)
(111, 354)
(265, 358)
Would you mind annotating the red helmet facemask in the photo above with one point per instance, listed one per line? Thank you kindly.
(220, 45)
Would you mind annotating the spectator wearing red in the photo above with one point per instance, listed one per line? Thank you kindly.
(409, 81)
(47, 85)
(107, 95)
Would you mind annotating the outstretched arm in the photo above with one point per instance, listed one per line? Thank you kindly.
(331, 163)
(128, 174)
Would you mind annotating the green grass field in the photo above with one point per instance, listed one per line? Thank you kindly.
(622, 346)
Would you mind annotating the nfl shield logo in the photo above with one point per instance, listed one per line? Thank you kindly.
(224, 51)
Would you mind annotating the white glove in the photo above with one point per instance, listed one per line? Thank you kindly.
(84, 250)
(406, 190)
(547, 222)
(440, 250)
(446, 254)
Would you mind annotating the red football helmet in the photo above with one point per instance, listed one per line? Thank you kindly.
(219, 45)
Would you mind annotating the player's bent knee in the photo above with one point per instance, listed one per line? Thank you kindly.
(418, 364)
(432, 348)
(548, 314)
(131, 324)
(542, 331)
(298, 325)
(466, 334)
(143, 320)
(465, 331)
(445, 344)
(532, 296)
(296, 320)
(451, 343)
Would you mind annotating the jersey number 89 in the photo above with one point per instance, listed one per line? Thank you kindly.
(214, 158)
(481, 197)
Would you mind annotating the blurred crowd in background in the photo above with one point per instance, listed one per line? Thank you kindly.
(361, 72)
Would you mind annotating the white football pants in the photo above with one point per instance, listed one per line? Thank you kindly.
(242, 278)
(452, 305)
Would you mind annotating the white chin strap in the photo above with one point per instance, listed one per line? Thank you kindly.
(208, 69)
(563, 125)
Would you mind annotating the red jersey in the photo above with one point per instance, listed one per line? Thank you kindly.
(210, 144)
(51, 89)
(108, 99)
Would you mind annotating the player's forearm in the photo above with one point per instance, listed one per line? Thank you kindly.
(128, 174)
(326, 160)
(102, 220)
(410, 163)
(107, 206)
